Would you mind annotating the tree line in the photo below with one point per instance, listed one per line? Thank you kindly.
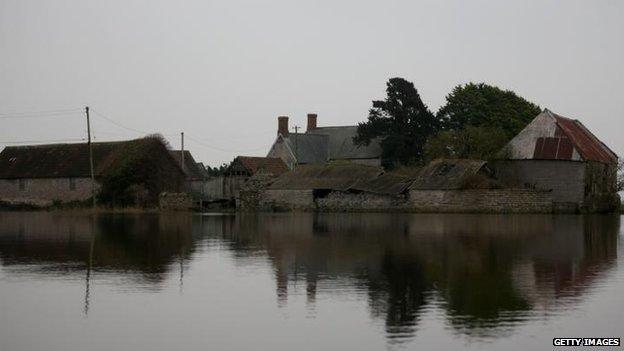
(476, 121)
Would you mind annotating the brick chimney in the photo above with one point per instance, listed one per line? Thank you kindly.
(282, 125)
(311, 121)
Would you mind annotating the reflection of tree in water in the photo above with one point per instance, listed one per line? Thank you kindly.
(398, 293)
(489, 271)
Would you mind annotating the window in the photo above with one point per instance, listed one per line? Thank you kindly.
(72, 183)
(22, 184)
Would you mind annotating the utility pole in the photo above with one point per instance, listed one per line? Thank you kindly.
(182, 153)
(90, 156)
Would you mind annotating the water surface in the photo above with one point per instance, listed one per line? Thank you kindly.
(307, 281)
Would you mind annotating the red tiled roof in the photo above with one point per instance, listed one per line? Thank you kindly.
(587, 144)
(271, 165)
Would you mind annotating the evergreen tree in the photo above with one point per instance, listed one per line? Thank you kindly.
(402, 122)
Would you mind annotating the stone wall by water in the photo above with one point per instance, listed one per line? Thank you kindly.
(482, 200)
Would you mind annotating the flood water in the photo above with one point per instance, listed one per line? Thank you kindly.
(307, 281)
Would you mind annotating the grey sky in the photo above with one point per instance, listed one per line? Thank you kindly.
(223, 71)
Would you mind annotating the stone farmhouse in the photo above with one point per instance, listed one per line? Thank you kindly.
(41, 175)
(561, 155)
(319, 145)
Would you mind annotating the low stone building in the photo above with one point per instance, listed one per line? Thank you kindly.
(462, 185)
(44, 174)
(562, 156)
(320, 145)
(240, 170)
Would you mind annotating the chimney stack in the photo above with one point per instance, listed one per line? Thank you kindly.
(311, 121)
(282, 125)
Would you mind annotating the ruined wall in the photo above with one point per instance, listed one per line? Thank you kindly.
(566, 179)
(600, 188)
(481, 200)
(45, 191)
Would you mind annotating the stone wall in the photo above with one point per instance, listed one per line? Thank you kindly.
(175, 201)
(341, 201)
(566, 179)
(286, 200)
(45, 191)
(481, 200)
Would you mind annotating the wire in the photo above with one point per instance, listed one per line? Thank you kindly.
(100, 114)
(41, 112)
(39, 115)
(40, 141)
(220, 149)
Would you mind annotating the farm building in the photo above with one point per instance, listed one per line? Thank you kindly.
(125, 172)
(464, 185)
(319, 145)
(242, 168)
(561, 155)
(196, 174)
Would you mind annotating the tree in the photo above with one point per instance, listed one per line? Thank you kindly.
(402, 122)
(485, 105)
(470, 142)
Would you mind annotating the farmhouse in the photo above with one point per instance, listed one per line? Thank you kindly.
(43, 174)
(319, 145)
(561, 155)
(196, 174)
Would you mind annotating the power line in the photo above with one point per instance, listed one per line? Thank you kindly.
(118, 124)
(41, 112)
(39, 115)
(41, 141)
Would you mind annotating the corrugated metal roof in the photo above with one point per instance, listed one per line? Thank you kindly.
(587, 144)
(446, 174)
(329, 177)
(385, 184)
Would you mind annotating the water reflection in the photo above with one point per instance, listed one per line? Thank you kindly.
(487, 273)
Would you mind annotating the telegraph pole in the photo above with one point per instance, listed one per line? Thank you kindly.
(90, 156)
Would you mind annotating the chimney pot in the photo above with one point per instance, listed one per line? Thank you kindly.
(311, 121)
(282, 125)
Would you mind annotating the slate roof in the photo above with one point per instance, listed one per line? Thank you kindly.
(56, 160)
(446, 174)
(328, 177)
(309, 148)
(253, 165)
(193, 170)
(341, 146)
(587, 144)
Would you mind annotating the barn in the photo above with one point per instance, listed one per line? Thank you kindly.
(561, 155)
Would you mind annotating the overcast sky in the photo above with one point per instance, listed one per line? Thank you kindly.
(222, 71)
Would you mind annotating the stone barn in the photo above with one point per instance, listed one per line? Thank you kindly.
(561, 155)
(41, 175)
(465, 185)
(320, 145)
(310, 185)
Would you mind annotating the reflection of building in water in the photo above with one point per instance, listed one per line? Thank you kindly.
(489, 270)
(142, 248)
(483, 273)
